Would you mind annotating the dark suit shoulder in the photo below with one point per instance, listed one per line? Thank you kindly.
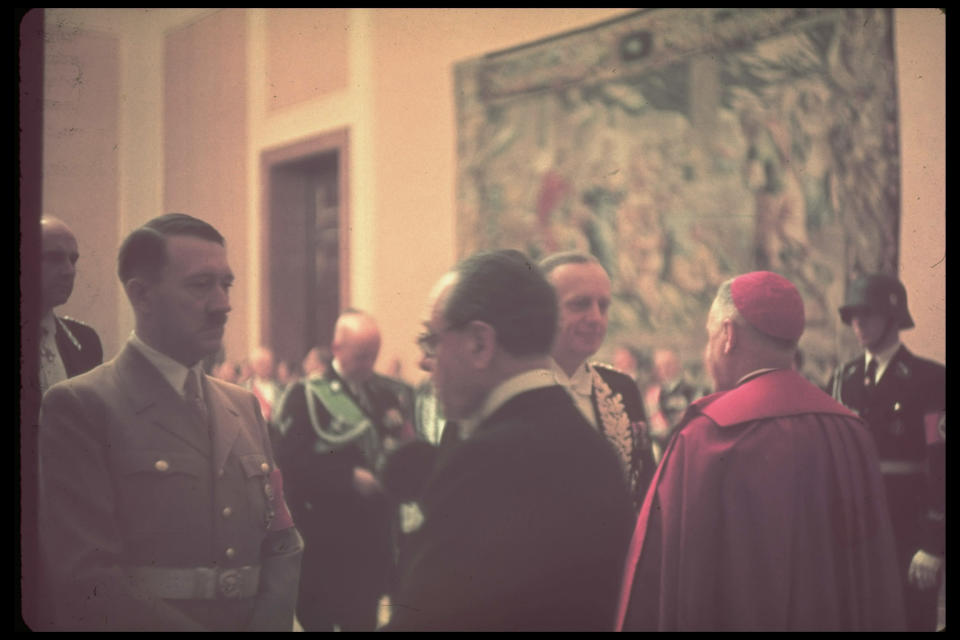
(79, 324)
(622, 383)
(922, 366)
(608, 371)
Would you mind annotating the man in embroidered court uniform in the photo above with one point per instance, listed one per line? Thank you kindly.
(161, 507)
(527, 516)
(609, 399)
(67, 347)
(767, 511)
(902, 398)
(336, 429)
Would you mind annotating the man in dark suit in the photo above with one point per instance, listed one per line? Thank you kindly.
(161, 507)
(902, 398)
(68, 347)
(609, 399)
(526, 518)
(336, 429)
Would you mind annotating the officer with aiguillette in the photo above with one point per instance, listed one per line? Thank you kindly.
(903, 400)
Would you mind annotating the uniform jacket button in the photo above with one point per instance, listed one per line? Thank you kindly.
(230, 552)
(227, 512)
(161, 465)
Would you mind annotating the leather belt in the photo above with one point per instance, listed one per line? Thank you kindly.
(197, 583)
(902, 467)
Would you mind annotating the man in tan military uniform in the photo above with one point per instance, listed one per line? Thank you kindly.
(161, 507)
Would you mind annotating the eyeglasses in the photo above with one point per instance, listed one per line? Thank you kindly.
(429, 339)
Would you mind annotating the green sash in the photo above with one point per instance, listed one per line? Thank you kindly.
(348, 423)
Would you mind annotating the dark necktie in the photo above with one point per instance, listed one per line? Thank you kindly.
(870, 376)
(194, 396)
(450, 436)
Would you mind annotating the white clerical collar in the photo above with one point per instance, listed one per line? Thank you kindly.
(506, 390)
(754, 374)
(882, 357)
(172, 371)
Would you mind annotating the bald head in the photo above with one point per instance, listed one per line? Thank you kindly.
(58, 260)
(356, 344)
(261, 362)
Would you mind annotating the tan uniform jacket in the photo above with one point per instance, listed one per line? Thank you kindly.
(131, 477)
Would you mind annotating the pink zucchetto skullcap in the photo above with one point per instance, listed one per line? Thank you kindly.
(770, 303)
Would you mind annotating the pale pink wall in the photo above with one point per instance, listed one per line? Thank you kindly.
(922, 67)
(205, 141)
(306, 54)
(80, 181)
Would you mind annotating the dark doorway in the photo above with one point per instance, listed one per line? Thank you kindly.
(305, 245)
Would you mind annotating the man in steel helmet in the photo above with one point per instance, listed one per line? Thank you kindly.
(903, 400)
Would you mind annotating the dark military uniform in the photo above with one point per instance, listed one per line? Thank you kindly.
(326, 432)
(79, 346)
(906, 413)
(155, 518)
(623, 420)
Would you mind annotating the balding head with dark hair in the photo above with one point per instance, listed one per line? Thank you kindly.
(491, 318)
(509, 292)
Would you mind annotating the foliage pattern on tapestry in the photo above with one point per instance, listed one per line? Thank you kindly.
(685, 146)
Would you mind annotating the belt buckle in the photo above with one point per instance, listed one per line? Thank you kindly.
(229, 584)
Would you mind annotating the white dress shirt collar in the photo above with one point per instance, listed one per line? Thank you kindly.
(580, 387)
(883, 358)
(505, 391)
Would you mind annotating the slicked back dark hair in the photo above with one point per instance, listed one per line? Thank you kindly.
(144, 252)
(555, 260)
(508, 291)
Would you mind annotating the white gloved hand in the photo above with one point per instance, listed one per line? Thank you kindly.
(924, 569)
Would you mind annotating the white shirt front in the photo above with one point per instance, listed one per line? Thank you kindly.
(52, 370)
(580, 388)
(883, 359)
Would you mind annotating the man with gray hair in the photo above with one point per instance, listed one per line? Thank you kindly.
(767, 512)
(610, 400)
(526, 517)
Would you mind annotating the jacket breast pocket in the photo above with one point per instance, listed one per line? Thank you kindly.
(259, 488)
(161, 491)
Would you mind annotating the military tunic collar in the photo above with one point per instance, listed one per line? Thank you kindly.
(172, 371)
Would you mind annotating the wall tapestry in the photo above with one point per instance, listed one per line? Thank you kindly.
(684, 146)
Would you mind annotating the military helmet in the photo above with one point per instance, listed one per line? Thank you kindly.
(878, 293)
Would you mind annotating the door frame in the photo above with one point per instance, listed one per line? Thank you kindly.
(336, 140)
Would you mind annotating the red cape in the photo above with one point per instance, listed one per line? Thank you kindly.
(767, 513)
